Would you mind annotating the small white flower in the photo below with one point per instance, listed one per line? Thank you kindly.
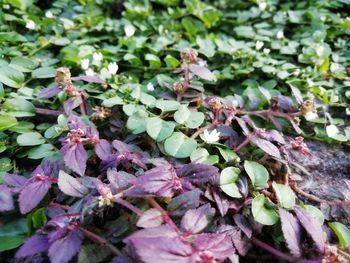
(113, 68)
(67, 23)
(97, 57)
(347, 111)
(84, 64)
(129, 30)
(280, 34)
(266, 51)
(262, 5)
(332, 130)
(211, 137)
(336, 67)
(90, 72)
(30, 25)
(259, 45)
(49, 14)
(296, 72)
(309, 116)
(150, 87)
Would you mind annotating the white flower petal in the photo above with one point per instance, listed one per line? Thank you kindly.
(259, 45)
(332, 130)
(150, 87)
(30, 25)
(113, 68)
(129, 30)
(84, 64)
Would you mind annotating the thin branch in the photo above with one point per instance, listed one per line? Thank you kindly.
(273, 250)
(165, 214)
(102, 241)
(133, 208)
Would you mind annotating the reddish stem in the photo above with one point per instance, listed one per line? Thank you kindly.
(102, 241)
(165, 214)
(133, 208)
(244, 143)
(273, 250)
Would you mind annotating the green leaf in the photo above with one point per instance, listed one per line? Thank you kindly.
(7, 122)
(41, 151)
(167, 105)
(263, 214)
(285, 195)
(201, 155)
(11, 242)
(13, 227)
(5, 164)
(228, 154)
(179, 145)
(11, 77)
(92, 253)
(18, 107)
(317, 213)
(23, 64)
(257, 174)
(154, 61)
(38, 218)
(171, 62)
(11, 37)
(116, 100)
(228, 178)
(342, 232)
(44, 73)
(158, 129)
(192, 119)
(22, 126)
(30, 139)
(137, 122)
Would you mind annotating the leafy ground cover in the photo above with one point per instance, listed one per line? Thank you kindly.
(170, 131)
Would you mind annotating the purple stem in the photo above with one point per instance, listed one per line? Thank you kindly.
(273, 250)
(133, 208)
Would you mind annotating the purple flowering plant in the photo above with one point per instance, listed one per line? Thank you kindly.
(118, 172)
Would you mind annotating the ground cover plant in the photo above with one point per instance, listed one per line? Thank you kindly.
(169, 131)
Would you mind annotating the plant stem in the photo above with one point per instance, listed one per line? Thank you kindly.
(165, 214)
(47, 112)
(273, 250)
(244, 143)
(133, 208)
(102, 241)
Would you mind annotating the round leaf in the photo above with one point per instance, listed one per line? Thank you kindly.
(263, 214)
(7, 122)
(285, 195)
(342, 232)
(30, 139)
(11, 77)
(158, 129)
(179, 145)
(228, 178)
(257, 174)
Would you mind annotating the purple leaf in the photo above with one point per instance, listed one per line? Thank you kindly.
(71, 186)
(267, 147)
(312, 227)
(155, 232)
(103, 149)
(49, 92)
(64, 249)
(6, 200)
(75, 123)
(297, 94)
(183, 202)
(162, 250)
(219, 246)
(90, 79)
(285, 102)
(15, 182)
(120, 180)
(34, 245)
(75, 157)
(243, 224)
(71, 104)
(150, 218)
(242, 244)
(199, 173)
(32, 193)
(274, 136)
(291, 232)
(161, 181)
(195, 220)
(242, 123)
(123, 147)
(202, 72)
